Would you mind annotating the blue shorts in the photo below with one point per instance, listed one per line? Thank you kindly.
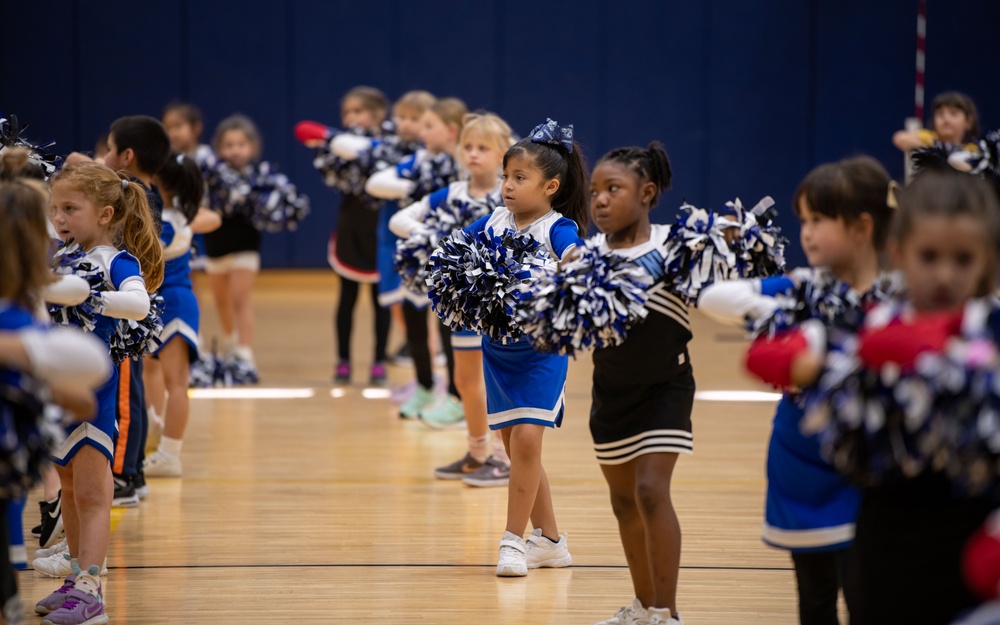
(180, 318)
(98, 433)
(523, 386)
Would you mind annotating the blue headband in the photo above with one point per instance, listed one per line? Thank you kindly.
(552, 133)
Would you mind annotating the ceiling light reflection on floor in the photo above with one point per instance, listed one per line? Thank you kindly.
(376, 393)
(337, 393)
(748, 396)
(250, 393)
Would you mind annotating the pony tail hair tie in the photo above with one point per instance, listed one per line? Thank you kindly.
(124, 183)
(551, 133)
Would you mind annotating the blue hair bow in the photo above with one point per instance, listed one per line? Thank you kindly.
(552, 133)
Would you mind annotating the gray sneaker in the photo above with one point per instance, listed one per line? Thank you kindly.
(493, 472)
(459, 469)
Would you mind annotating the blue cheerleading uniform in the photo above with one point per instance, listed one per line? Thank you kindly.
(809, 506)
(522, 385)
(180, 307)
(119, 268)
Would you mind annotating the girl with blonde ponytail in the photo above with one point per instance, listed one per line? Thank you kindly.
(109, 218)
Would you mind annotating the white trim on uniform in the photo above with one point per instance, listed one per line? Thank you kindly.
(179, 326)
(653, 441)
(802, 539)
(530, 415)
(84, 432)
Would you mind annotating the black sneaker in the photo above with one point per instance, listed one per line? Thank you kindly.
(125, 495)
(52, 523)
(139, 482)
(402, 358)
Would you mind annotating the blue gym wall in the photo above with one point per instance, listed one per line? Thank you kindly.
(746, 95)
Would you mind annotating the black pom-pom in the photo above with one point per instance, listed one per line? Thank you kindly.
(135, 339)
(11, 136)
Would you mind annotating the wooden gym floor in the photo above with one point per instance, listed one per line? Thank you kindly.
(324, 510)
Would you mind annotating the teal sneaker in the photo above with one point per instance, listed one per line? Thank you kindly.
(446, 415)
(421, 399)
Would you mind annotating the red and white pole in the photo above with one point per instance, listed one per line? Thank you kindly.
(917, 121)
(918, 91)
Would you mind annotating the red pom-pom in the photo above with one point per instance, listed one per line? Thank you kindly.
(311, 131)
(981, 559)
(770, 359)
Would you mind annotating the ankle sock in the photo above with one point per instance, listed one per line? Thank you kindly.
(170, 446)
(479, 447)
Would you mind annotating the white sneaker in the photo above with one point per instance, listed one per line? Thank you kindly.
(159, 464)
(542, 552)
(60, 565)
(59, 547)
(633, 614)
(512, 561)
(662, 616)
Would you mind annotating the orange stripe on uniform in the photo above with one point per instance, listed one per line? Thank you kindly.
(124, 414)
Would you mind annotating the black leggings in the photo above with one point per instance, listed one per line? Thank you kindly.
(450, 356)
(820, 577)
(10, 602)
(418, 339)
(344, 320)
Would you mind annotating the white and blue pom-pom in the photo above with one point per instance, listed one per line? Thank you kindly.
(413, 252)
(70, 259)
(760, 249)
(277, 204)
(473, 280)
(698, 253)
(228, 190)
(587, 302)
(135, 339)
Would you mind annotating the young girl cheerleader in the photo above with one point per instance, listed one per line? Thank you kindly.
(352, 249)
(32, 355)
(484, 140)
(250, 197)
(908, 405)
(810, 509)
(430, 169)
(544, 190)
(102, 213)
(644, 388)
(956, 123)
(181, 184)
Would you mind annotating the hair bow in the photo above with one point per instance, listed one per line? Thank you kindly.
(552, 133)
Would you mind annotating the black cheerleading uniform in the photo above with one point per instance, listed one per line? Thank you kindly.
(643, 389)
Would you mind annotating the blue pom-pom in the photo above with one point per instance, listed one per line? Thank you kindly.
(413, 252)
(70, 259)
(879, 426)
(474, 280)
(135, 339)
(820, 295)
(430, 173)
(277, 204)
(587, 302)
(760, 249)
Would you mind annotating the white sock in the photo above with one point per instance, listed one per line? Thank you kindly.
(244, 353)
(479, 447)
(154, 416)
(170, 446)
(498, 449)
